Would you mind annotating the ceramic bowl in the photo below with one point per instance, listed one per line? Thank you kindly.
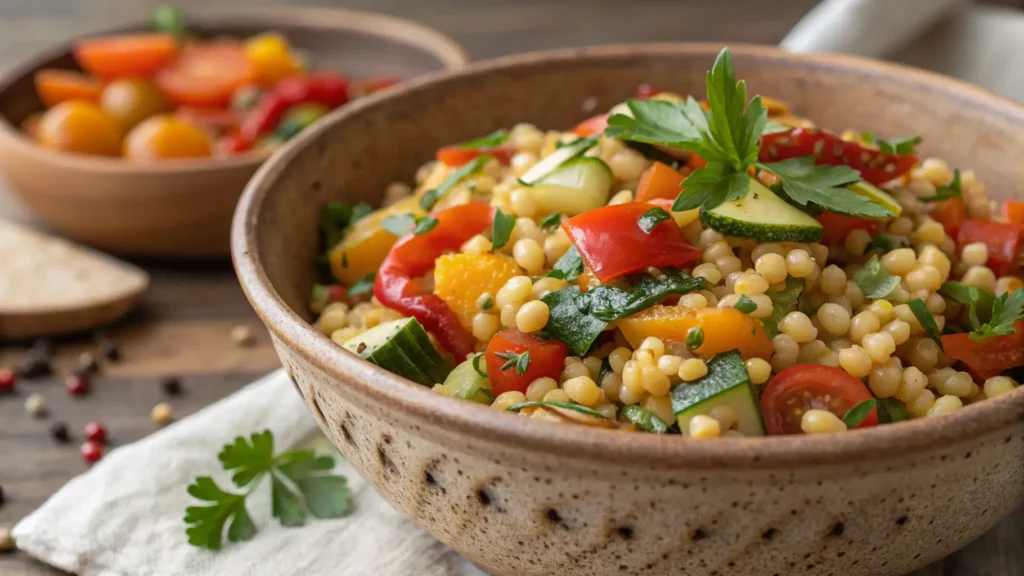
(184, 208)
(521, 497)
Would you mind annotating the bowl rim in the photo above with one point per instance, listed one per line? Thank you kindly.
(451, 55)
(582, 442)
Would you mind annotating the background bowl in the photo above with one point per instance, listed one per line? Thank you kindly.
(523, 497)
(184, 207)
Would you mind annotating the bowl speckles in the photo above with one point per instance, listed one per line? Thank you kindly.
(523, 497)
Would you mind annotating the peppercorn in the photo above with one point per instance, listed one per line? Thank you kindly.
(109, 350)
(96, 432)
(34, 366)
(161, 413)
(76, 385)
(171, 386)
(7, 380)
(91, 451)
(35, 405)
(59, 432)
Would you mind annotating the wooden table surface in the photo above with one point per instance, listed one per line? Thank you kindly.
(182, 327)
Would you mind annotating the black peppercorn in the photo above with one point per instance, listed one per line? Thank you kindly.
(109, 350)
(171, 386)
(59, 432)
(34, 366)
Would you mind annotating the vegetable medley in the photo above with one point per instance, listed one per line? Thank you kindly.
(169, 94)
(715, 267)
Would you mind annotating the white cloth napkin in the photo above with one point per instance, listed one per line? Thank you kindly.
(124, 517)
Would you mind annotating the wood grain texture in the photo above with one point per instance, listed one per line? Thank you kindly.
(183, 323)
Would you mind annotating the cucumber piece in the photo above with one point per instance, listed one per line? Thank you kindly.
(726, 384)
(554, 161)
(465, 382)
(764, 216)
(578, 185)
(876, 195)
(402, 347)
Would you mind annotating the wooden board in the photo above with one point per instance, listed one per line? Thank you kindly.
(183, 323)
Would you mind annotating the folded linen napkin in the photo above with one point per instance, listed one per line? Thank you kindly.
(124, 517)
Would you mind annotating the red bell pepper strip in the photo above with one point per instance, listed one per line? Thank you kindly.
(612, 243)
(591, 126)
(875, 167)
(327, 88)
(1003, 241)
(836, 227)
(990, 356)
(951, 214)
(456, 156)
(413, 256)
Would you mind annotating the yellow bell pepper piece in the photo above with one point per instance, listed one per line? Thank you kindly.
(272, 58)
(460, 280)
(367, 243)
(724, 329)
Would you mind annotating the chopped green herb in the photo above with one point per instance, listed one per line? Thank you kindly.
(822, 187)
(854, 416)
(951, 190)
(564, 405)
(977, 299)
(875, 281)
(890, 410)
(487, 303)
(900, 146)
(318, 299)
(399, 224)
(430, 197)
(926, 319)
(644, 419)
(362, 286)
(170, 19)
(569, 266)
(551, 220)
(337, 217)
(521, 361)
(424, 224)
(492, 140)
(476, 366)
(783, 302)
(503, 225)
(773, 127)
(649, 220)
(606, 369)
(886, 243)
(745, 304)
(311, 489)
(711, 185)
(694, 338)
(1006, 310)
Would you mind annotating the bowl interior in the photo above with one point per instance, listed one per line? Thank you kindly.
(359, 150)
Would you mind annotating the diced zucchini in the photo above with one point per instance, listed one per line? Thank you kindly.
(578, 185)
(554, 161)
(763, 216)
(403, 347)
(465, 382)
(876, 195)
(726, 384)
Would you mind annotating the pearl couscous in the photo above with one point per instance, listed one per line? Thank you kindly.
(673, 267)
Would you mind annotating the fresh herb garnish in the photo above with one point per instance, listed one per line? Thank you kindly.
(694, 338)
(492, 140)
(875, 280)
(900, 146)
(430, 197)
(783, 302)
(649, 220)
(521, 361)
(711, 185)
(886, 243)
(745, 304)
(569, 266)
(337, 217)
(564, 405)
(606, 369)
(503, 225)
(300, 484)
(977, 299)
(362, 286)
(424, 224)
(487, 303)
(822, 187)
(926, 319)
(890, 411)
(319, 298)
(951, 190)
(1006, 310)
(550, 221)
(773, 127)
(854, 416)
(644, 418)
(402, 224)
(476, 365)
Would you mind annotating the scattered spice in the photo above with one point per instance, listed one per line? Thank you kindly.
(109, 350)
(171, 385)
(6, 541)
(161, 414)
(96, 432)
(35, 405)
(91, 451)
(243, 336)
(7, 380)
(87, 364)
(59, 432)
(34, 366)
(76, 385)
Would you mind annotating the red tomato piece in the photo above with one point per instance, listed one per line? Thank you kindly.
(547, 358)
(591, 126)
(1014, 211)
(612, 242)
(456, 156)
(659, 181)
(56, 86)
(874, 166)
(810, 386)
(989, 357)
(206, 75)
(951, 214)
(836, 227)
(1002, 239)
(413, 256)
(132, 55)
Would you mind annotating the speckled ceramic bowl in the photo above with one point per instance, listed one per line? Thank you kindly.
(522, 497)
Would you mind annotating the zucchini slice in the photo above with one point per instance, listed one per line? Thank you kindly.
(578, 185)
(403, 347)
(764, 216)
(554, 161)
(726, 384)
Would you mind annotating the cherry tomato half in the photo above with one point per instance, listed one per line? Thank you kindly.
(129, 55)
(206, 75)
(810, 386)
(56, 86)
(829, 149)
(547, 358)
(81, 127)
(132, 100)
(166, 137)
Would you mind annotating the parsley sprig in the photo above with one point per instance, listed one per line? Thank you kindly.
(900, 146)
(1007, 309)
(300, 483)
(521, 361)
(951, 190)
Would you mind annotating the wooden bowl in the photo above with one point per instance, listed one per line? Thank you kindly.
(522, 497)
(184, 207)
